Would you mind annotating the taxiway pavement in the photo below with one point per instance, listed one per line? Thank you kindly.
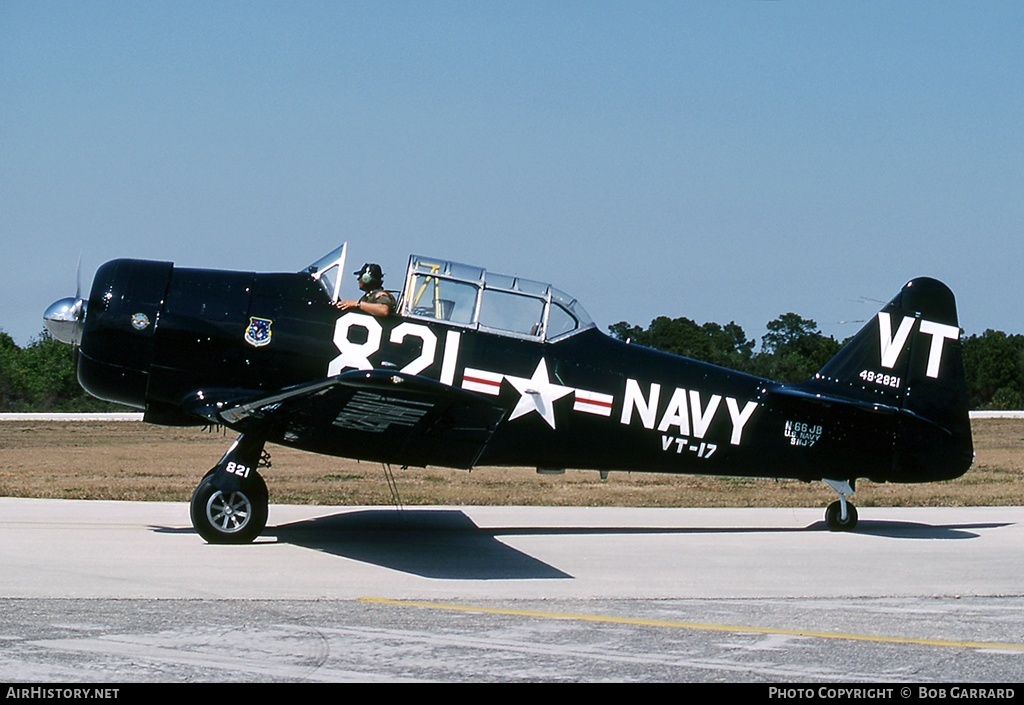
(127, 591)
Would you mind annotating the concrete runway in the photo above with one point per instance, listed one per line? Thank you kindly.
(127, 592)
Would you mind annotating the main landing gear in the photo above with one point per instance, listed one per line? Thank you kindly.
(230, 503)
(841, 515)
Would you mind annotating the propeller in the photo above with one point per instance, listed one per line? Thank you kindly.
(65, 319)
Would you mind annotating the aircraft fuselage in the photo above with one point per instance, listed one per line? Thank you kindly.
(156, 335)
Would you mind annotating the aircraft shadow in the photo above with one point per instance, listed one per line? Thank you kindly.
(914, 530)
(442, 544)
(447, 544)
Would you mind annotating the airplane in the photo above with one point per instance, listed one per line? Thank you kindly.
(478, 368)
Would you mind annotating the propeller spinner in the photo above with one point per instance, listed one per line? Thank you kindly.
(65, 319)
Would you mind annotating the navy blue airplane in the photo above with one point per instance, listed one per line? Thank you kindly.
(476, 368)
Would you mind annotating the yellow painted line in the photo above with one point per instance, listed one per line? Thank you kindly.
(696, 626)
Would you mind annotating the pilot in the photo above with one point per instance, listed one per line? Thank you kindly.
(374, 300)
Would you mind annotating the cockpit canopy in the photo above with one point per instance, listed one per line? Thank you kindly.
(471, 297)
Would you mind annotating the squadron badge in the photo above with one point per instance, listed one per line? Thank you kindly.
(258, 333)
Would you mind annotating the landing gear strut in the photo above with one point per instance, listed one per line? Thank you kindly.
(841, 515)
(230, 503)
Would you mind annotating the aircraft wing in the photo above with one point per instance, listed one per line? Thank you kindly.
(387, 415)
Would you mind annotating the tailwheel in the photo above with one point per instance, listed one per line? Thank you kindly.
(841, 515)
(230, 517)
(834, 516)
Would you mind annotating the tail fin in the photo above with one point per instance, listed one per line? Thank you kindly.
(908, 357)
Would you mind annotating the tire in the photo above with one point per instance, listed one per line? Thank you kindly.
(835, 511)
(233, 517)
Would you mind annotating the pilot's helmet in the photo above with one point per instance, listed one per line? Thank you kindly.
(370, 273)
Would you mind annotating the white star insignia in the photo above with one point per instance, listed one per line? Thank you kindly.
(537, 394)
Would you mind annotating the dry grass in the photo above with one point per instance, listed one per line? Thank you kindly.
(135, 461)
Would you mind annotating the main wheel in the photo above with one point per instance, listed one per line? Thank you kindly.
(835, 511)
(230, 517)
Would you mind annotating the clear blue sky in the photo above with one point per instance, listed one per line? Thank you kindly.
(727, 160)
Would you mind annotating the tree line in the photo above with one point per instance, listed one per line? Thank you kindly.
(41, 376)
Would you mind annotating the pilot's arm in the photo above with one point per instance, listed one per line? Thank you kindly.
(374, 309)
(377, 303)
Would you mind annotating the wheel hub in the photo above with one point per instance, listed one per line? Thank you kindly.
(229, 513)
